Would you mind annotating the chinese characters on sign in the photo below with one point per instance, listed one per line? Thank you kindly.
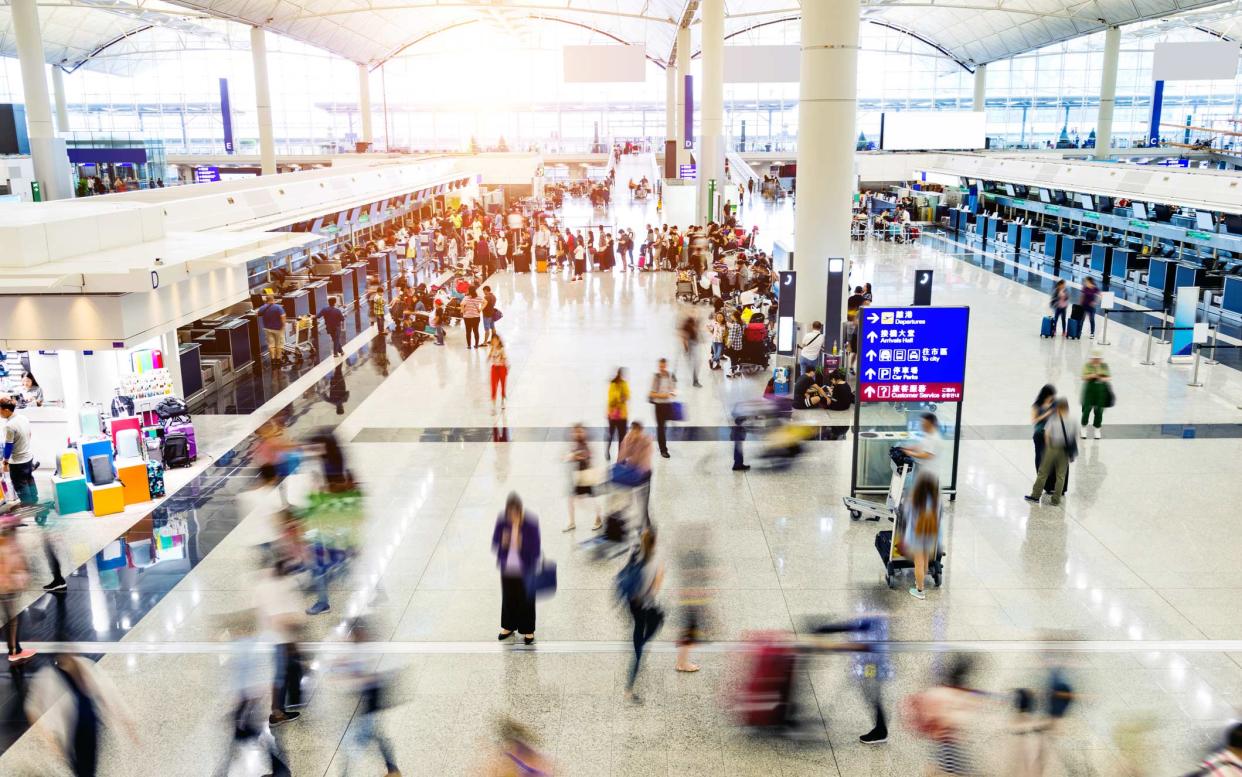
(912, 354)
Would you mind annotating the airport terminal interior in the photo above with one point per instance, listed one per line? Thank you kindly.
(620, 387)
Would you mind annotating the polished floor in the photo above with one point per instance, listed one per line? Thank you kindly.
(1133, 583)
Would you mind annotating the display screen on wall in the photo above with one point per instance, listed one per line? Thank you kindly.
(1195, 61)
(932, 130)
(604, 64)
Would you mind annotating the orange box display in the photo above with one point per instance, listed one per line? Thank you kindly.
(133, 476)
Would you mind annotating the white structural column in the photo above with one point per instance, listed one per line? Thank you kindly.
(58, 92)
(263, 102)
(711, 131)
(1108, 93)
(51, 161)
(827, 139)
(683, 70)
(981, 88)
(364, 102)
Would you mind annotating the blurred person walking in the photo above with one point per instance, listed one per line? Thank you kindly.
(499, 360)
(1059, 302)
(1089, 298)
(695, 571)
(1043, 408)
(944, 714)
(70, 700)
(871, 666)
(638, 583)
(1060, 448)
(14, 576)
(516, 542)
(581, 475)
(1097, 392)
(688, 331)
(663, 395)
(280, 617)
(371, 688)
(618, 410)
(1227, 761)
(634, 454)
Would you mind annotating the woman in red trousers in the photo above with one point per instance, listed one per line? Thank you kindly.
(500, 368)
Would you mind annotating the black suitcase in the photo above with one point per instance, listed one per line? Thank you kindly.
(175, 450)
(1076, 312)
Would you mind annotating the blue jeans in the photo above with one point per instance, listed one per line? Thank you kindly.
(804, 363)
(717, 352)
(1090, 311)
(647, 622)
(1058, 314)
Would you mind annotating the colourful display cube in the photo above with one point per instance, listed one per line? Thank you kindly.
(126, 422)
(133, 476)
(106, 500)
(69, 495)
(94, 448)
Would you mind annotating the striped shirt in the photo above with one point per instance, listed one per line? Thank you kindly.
(471, 307)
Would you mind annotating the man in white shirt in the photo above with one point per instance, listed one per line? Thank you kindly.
(812, 347)
(18, 459)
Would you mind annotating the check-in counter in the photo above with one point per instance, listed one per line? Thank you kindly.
(1187, 275)
(1028, 235)
(297, 303)
(1122, 259)
(319, 295)
(341, 285)
(359, 270)
(1161, 277)
(1070, 247)
(1231, 300)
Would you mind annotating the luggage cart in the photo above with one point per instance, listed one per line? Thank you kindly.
(874, 511)
(894, 562)
(300, 339)
(687, 290)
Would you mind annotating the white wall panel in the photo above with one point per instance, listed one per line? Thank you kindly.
(604, 64)
(1195, 61)
(762, 64)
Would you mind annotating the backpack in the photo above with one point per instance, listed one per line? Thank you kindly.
(175, 450)
(171, 407)
(629, 580)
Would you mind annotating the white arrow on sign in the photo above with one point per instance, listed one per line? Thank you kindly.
(872, 336)
(871, 319)
(869, 391)
(871, 354)
(870, 374)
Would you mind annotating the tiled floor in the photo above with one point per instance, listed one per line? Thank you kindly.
(1134, 580)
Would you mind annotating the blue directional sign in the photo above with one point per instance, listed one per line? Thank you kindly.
(912, 354)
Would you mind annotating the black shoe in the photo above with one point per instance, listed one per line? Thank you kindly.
(697, 384)
(874, 737)
(277, 718)
(502, 637)
(1030, 498)
(56, 585)
(665, 454)
(528, 640)
(742, 468)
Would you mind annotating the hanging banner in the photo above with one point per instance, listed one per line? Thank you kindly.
(688, 118)
(226, 114)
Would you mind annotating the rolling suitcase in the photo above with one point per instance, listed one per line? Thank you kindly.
(1045, 327)
(1074, 329)
(1076, 312)
(185, 428)
(155, 478)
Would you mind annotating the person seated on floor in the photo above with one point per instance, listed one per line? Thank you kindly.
(808, 394)
(841, 395)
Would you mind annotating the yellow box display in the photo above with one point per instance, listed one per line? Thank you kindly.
(133, 476)
(106, 500)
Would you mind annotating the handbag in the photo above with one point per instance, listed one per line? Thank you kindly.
(626, 475)
(1071, 443)
(543, 582)
(676, 411)
(496, 314)
(1110, 398)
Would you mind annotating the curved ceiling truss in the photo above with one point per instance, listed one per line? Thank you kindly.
(970, 32)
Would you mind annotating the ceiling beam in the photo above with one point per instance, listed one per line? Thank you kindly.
(687, 18)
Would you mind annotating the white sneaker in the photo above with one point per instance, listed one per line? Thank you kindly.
(1098, 433)
(1083, 433)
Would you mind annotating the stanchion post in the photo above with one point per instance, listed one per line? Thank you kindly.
(1104, 332)
(1212, 345)
(1194, 375)
(1147, 362)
